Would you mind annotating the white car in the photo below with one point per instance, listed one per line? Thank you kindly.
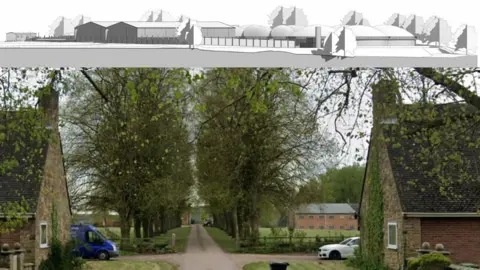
(339, 251)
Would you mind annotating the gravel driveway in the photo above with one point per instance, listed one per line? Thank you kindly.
(204, 254)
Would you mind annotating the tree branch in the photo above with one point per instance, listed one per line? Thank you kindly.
(95, 86)
(443, 80)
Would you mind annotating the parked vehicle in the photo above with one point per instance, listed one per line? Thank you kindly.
(339, 251)
(207, 223)
(91, 243)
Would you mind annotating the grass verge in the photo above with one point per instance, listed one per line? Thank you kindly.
(129, 265)
(226, 242)
(181, 238)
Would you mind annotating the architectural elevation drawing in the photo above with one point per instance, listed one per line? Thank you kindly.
(287, 39)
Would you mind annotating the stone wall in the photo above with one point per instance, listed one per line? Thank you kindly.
(54, 189)
(392, 210)
(413, 229)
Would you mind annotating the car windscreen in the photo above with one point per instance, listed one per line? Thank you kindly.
(100, 235)
(344, 242)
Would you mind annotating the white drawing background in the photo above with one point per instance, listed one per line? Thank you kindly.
(36, 16)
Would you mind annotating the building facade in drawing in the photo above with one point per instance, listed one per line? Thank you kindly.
(19, 36)
(94, 31)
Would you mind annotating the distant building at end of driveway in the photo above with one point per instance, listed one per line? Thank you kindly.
(326, 216)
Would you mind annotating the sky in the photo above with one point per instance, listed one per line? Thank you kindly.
(37, 16)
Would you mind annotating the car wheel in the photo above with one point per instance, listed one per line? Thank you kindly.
(334, 255)
(103, 256)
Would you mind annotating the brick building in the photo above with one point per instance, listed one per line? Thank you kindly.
(415, 209)
(326, 216)
(38, 179)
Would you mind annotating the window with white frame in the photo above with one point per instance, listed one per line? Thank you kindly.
(43, 235)
(392, 235)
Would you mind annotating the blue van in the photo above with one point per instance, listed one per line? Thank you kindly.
(90, 243)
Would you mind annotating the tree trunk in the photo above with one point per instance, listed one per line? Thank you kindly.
(145, 225)
(235, 228)
(226, 223)
(255, 232)
(137, 225)
(162, 223)
(150, 228)
(124, 232)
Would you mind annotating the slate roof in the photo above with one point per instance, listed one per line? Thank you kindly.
(354, 206)
(100, 23)
(20, 145)
(420, 192)
(325, 208)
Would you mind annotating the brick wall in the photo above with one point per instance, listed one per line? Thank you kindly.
(25, 236)
(330, 222)
(460, 236)
(53, 189)
(186, 219)
(10, 237)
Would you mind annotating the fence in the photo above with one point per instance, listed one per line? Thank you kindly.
(129, 40)
(53, 39)
(279, 244)
(159, 244)
(249, 42)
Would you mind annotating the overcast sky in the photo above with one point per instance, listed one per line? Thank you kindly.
(36, 16)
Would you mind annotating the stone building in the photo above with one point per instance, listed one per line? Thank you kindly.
(19, 36)
(37, 178)
(415, 210)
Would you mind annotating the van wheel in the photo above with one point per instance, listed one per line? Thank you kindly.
(334, 255)
(103, 256)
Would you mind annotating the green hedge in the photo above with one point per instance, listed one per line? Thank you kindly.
(432, 261)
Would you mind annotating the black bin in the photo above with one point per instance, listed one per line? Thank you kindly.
(278, 265)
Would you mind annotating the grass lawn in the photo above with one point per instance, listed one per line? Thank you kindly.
(301, 266)
(129, 265)
(181, 237)
(314, 232)
(222, 239)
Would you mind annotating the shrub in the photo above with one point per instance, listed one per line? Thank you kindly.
(360, 262)
(431, 261)
(61, 257)
(278, 232)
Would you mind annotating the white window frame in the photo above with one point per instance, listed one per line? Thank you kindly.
(391, 246)
(43, 245)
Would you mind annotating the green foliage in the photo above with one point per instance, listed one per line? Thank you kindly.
(23, 135)
(278, 232)
(372, 227)
(137, 144)
(61, 257)
(14, 212)
(431, 261)
(335, 186)
(358, 261)
(256, 139)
